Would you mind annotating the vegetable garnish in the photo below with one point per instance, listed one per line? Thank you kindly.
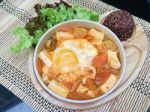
(25, 40)
(48, 16)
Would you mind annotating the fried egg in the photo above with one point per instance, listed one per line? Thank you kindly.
(83, 48)
(65, 60)
(72, 54)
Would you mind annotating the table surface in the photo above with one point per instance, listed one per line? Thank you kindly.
(139, 8)
(6, 97)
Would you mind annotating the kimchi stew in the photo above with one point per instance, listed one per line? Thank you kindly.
(79, 63)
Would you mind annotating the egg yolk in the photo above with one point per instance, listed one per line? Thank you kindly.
(66, 60)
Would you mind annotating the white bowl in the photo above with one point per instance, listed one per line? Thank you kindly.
(82, 23)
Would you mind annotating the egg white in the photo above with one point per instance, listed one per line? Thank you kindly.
(84, 50)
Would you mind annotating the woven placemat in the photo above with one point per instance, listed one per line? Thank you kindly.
(14, 71)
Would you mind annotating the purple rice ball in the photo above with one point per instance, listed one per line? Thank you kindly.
(121, 23)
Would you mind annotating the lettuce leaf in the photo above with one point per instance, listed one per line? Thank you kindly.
(84, 13)
(25, 40)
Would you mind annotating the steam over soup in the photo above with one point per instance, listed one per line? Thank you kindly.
(79, 63)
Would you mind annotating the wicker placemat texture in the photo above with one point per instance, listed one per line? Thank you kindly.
(14, 71)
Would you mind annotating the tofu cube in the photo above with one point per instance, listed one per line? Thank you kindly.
(58, 88)
(113, 59)
(45, 57)
(91, 93)
(64, 35)
(82, 89)
(97, 43)
(108, 84)
(45, 78)
(94, 34)
(45, 69)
